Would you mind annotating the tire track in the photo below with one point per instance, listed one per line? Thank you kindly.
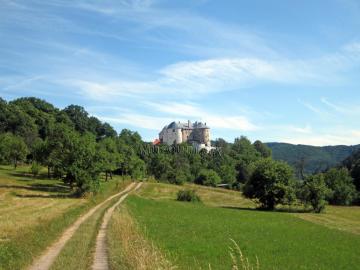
(101, 261)
(45, 261)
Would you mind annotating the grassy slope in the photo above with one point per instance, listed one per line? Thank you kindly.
(34, 212)
(199, 234)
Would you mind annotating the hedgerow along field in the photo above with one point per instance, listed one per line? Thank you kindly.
(194, 236)
(35, 210)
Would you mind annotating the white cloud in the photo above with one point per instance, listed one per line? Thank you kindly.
(194, 112)
(305, 130)
(138, 120)
(347, 109)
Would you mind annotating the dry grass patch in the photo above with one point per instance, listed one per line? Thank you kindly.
(218, 197)
(343, 218)
(129, 249)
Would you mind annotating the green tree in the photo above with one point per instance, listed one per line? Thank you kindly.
(59, 146)
(13, 149)
(340, 183)
(314, 191)
(243, 150)
(137, 168)
(81, 165)
(78, 116)
(208, 178)
(264, 150)
(270, 184)
(227, 174)
(108, 156)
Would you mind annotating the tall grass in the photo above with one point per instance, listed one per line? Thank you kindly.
(129, 249)
(239, 261)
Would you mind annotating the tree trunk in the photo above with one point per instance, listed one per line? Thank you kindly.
(48, 171)
(106, 176)
(15, 163)
(111, 175)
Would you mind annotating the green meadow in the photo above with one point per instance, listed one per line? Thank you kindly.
(197, 236)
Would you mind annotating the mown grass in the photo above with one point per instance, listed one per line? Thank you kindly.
(34, 212)
(195, 235)
(343, 218)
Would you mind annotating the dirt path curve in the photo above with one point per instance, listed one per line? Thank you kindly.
(101, 261)
(48, 257)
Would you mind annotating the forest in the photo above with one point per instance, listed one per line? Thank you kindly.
(80, 150)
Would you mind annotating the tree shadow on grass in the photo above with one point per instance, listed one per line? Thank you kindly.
(61, 190)
(280, 210)
(51, 196)
(30, 176)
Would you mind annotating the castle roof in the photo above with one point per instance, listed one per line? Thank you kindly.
(188, 125)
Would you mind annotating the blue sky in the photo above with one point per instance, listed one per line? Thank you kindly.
(284, 71)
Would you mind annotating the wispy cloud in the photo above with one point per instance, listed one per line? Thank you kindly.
(193, 112)
(347, 109)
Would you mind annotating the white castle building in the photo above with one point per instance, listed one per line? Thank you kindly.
(198, 134)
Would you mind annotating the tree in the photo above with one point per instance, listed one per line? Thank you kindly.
(243, 171)
(300, 168)
(227, 174)
(264, 150)
(243, 150)
(13, 149)
(136, 167)
(108, 156)
(78, 116)
(314, 191)
(270, 184)
(81, 165)
(59, 146)
(340, 183)
(208, 178)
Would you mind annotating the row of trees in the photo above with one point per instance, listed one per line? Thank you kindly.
(77, 148)
(272, 182)
(72, 145)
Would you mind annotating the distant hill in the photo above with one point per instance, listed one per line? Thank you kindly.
(315, 158)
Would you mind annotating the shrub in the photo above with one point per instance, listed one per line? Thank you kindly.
(188, 196)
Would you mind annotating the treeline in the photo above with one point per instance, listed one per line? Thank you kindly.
(78, 148)
(71, 144)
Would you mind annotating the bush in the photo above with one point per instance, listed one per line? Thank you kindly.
(35, 169)
(188, 196)
(208, 178)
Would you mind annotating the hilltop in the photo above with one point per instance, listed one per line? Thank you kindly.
(316, 158)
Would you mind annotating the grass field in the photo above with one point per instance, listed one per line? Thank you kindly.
(34, 211)
(196, 235)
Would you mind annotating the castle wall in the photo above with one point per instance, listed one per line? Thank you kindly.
(200, 135)
(169, 136)
(186, 135)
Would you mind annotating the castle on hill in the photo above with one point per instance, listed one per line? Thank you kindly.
(198, 134)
